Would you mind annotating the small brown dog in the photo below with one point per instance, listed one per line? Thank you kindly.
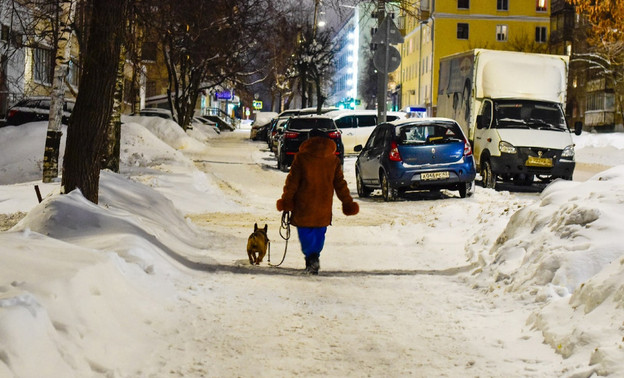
(257, 243)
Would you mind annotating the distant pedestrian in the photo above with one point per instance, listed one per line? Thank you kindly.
(316, 172)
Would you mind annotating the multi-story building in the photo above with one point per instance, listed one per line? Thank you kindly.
(353, 54)
(444, 27)
(591, 94)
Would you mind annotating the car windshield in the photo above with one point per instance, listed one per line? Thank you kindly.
(529, 115)
(311, 123)
(430, 133)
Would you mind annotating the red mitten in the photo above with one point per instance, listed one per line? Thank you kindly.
(284, 205)
(350, 208)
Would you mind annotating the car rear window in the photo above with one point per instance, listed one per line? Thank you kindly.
(311, 123)
(430, 133)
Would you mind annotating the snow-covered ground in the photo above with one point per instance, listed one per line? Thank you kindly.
(154, 280)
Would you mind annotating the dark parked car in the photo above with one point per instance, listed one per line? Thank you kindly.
(33, 109)
(296, 131)
(415, 154)
(156, 112)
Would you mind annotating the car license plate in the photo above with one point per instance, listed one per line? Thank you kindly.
(533, 161)
(434, 175)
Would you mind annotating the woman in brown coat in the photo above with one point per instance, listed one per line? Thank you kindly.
(315, 174)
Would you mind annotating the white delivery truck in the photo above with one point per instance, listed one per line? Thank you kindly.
(510, 104)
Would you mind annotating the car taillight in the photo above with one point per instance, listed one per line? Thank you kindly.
(334, 134)
(394, 154)
(467, 148)
(290, 135)
(13, 112)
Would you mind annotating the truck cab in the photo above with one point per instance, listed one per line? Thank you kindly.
(518, 139)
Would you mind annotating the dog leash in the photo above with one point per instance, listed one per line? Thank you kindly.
(284, 232)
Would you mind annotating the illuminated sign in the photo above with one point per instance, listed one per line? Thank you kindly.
(224, 95)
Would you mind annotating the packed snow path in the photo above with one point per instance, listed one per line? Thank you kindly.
(393, 297)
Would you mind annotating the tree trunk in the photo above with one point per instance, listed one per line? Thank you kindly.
(57, 98)
(87, 132)
(112, 148)
(320, 99)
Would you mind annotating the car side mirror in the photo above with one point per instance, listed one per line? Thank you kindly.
(357, 148)
(578, 127)
(479, 122)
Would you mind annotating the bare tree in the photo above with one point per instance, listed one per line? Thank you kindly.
(206, 44)
(312, 63)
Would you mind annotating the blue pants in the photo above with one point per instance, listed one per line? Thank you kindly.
(312, 239)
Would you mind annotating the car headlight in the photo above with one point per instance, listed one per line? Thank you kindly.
(568, 152)
(506, 147)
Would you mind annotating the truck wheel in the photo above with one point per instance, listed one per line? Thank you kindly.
(388, 193)
(487, 176)
(362, 190)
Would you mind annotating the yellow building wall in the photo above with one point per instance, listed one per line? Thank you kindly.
(521, 20)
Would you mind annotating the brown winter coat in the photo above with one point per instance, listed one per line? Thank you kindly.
(309, 190)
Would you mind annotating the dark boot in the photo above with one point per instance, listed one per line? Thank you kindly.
(315, 265)
(307, 268)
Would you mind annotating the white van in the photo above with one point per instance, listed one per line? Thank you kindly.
(357, 125)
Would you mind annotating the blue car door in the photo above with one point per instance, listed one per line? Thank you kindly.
(371, 155)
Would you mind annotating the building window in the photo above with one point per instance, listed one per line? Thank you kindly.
(463, 4)
(501, 33)
(462, 30)
(540, 34)
(42, 65)
(148, 51)
(542, 6)
(150, 89)
(502, 5)
(600, 101)
(73, 73)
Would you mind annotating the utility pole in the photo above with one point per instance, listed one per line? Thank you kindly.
(382, 77)
(386, 58)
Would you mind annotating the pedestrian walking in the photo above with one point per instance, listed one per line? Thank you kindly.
(316, 172)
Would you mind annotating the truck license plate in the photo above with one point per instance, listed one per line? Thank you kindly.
(434, 175)
(533, 161)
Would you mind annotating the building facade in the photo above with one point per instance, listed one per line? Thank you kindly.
(444, 27)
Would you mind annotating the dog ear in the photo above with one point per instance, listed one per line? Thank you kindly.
(255, 227)
(266, 228)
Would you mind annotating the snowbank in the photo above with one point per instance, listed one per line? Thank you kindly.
(22, 152)
(78, 270)
(553, 245)
(566, 250)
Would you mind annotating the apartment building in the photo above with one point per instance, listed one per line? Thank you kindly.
(439, 28)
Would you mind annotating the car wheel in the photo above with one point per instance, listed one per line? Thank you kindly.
(487, 176)
(281, 163)
(466, 189)
(362, 190)
(388, 193)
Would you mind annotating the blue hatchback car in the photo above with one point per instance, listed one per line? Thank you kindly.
(415, 154)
